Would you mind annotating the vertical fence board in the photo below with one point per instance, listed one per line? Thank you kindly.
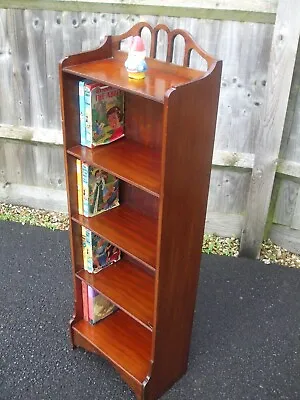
(6, 66)
(282, 61)
(290, 146)
(54, 52)
(19, 82)
(295, 224)
(35, 30)
(33, 164)
(227, 190)
(286, 202)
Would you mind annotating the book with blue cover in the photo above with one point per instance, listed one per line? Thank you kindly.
(81, 87)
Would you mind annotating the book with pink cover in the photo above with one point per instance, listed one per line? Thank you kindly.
(84, 288)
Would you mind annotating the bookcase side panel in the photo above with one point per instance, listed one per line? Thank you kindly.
(70, 109)
(143, 120)
(189, 128)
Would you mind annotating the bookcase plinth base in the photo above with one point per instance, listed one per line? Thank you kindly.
(119, 352)
(137, 387)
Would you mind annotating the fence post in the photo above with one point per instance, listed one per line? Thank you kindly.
(280, 71)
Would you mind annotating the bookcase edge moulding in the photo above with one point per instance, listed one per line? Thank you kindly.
(153, 184)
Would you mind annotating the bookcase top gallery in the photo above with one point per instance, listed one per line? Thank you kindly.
(163, 164)
(106, 64)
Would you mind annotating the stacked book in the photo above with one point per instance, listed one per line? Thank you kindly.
(101, 122)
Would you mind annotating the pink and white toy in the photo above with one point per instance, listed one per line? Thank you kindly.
(135, 64)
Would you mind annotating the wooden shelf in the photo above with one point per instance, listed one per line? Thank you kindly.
(111, 71)
(129, 230)
(122, 340)
(128, 160)
(128, 286)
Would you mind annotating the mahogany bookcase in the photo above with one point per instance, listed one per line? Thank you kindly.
(164, 164)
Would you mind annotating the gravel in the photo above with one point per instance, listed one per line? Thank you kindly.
(212, 244)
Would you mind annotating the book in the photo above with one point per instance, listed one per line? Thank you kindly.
(87, 255)
(100, 190)
(86, 250)
(79, 186)
(85, 307)
(81, 85)
(99, 252)
(104, 114)
(99, 307)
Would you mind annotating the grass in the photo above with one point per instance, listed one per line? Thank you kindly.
(26, 215)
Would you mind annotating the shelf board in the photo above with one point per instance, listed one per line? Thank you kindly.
(126, 159)
(128, 286)
(128, 229)
(159, 78)
(122, 340)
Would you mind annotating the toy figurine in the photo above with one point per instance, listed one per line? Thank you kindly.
(135, 64)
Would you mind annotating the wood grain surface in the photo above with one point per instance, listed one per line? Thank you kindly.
(128, 286)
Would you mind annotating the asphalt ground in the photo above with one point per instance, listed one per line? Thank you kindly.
(245, 342)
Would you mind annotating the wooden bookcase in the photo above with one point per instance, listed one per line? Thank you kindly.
(164, 165)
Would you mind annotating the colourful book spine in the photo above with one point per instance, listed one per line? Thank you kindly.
(88, 88)
(103, 253)
(79, 186)
(107, 105)
(91, 299)
(84, 252)
(89, 261)
(85, 307)
(82, 113)
(100, 190)
(85, 189)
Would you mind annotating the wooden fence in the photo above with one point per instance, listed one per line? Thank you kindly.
(256, 169)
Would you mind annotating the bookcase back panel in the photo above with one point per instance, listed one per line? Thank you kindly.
(143, 120)
(70, 110)
(138, 199)
(134, 261)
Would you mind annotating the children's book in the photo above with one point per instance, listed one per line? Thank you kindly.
(86, 248)
(100, 190)
(81, 85)
(79, 186)
(99, 307)
(85, 306)
(99, 252)
(104, 114)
